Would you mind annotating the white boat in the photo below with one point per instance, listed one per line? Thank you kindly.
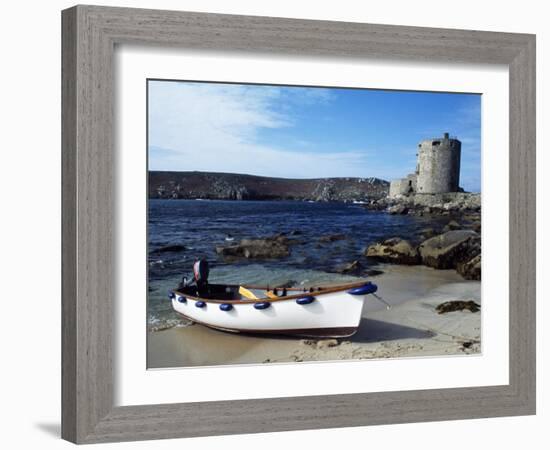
(329, 311)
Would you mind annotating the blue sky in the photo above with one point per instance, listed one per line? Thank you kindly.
(299, 132)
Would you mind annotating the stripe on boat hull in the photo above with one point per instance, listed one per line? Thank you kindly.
(335, 332)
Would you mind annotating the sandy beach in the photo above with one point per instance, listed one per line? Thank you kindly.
(412, 327)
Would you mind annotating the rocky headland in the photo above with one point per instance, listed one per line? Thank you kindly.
(230, 186)
(450, 203)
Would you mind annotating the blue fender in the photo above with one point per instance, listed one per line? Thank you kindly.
(226, 306)
(305, 300)
(181, 299)
(171, 295)
(200, 304)
(262, 305)
(367, 288)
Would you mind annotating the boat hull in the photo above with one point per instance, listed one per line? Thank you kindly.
(334, 314)
(299, 332)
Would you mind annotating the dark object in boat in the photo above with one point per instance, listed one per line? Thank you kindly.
(457, 305)
(200, 275)
(288, 284)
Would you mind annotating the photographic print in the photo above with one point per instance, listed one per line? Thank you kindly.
(291, 224)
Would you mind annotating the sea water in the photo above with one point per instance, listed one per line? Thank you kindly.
(201, 226)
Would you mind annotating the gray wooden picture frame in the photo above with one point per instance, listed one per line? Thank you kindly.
(90, 34)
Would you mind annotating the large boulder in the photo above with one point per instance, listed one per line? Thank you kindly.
(470, 270)
(394, 250)
(449, 249)
(263, 248)
(427, 233)
(452, 225)
(476, 226)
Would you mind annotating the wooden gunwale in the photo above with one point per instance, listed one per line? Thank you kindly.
(319, 291)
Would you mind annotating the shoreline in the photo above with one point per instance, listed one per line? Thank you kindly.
(411, 328)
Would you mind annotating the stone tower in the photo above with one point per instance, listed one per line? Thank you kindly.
(438, 165)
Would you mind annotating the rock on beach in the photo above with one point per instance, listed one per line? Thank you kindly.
(457, 305)
(470, 270)
(449, 249)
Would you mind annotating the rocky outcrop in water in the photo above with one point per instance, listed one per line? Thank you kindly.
(272, 247)
(230, 186)
(455, 249)
(398, 209)
(394, 250)
(170, 249)
(451, 203)
(332, 238)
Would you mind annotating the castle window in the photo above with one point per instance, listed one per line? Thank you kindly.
(436, 143)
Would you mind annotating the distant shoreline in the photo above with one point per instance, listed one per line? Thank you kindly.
(228, 186)
(346, 202)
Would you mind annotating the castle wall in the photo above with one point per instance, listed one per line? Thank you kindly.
(438, 165)
(403, 186)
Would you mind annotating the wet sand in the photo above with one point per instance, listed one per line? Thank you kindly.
(411, 327)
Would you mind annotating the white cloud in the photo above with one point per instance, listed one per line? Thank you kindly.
(214, 127)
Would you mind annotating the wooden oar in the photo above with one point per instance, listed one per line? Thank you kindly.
(246, 293)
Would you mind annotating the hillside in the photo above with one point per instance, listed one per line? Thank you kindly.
(229, 186)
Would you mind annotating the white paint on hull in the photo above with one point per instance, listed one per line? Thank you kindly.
(338, 310)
